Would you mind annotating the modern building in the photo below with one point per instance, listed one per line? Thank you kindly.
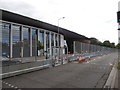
(22, 36)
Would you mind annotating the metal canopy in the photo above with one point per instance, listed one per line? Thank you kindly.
(16, 18)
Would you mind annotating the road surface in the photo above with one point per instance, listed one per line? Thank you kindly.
(91, 74)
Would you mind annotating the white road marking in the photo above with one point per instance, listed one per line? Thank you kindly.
(110, 64)
(10, 85)
(15, 87)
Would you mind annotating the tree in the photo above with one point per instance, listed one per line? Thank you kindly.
(39, 45)
(107, 43)
(112, 45)
(94, 41)
(118, 46)
(100, 43)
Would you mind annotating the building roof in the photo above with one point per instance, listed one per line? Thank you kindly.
(16, 18)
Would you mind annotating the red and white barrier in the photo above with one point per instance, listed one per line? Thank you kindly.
(83, 59)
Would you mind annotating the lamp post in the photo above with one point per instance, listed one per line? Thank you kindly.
(59, 38)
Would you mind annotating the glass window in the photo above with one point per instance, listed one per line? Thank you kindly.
(34, 42)
(47, 44)
(47, 40)
(5, 40)
(26, 42)
(40, 44)
(59, 41)
(16, 41)
(52, 39)
(56, 40)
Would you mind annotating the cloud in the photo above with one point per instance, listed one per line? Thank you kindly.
(16, 6)
(92, 18)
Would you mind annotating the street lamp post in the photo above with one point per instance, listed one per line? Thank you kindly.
(59, 38)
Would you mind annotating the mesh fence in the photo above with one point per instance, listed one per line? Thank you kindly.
(90, 49)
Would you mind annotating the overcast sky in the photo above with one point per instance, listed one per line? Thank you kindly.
(92, 18)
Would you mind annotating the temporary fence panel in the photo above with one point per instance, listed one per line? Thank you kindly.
(89, 50)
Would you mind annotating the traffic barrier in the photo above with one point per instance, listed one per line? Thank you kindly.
(89, 59)
(81, 59)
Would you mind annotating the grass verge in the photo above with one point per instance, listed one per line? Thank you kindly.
(118, 66)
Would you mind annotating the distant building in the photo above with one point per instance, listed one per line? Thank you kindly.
(26, 37)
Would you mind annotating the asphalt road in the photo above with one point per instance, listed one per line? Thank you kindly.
(91, 74)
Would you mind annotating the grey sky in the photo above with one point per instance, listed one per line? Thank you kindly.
(92, 18)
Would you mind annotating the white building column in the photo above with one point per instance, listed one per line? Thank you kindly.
(62, 41)
(30, 42)
(44, 41)
(11, 39)
(22, 43)
(50, 43)
(54, 38)
(38, 38)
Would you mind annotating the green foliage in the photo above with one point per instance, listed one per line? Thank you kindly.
(113, 45)
(39, 45)
(118, 46)
(100, 43)
(118, 66)
(94, 41)
(106, 43)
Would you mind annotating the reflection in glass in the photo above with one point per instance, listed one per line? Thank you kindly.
(47, 40)
(47, 44)
(59, 41)
(34, 42)
(52, 43)
(5, 40)
(40, 44)
(26, 42)
(16, 41)
(56, 41)
(52, 39)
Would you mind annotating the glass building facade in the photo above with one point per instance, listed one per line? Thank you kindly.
(16, 41)
(34, 42)
(27, 41)
(52, 39)
(5, 39)
(41, 43)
